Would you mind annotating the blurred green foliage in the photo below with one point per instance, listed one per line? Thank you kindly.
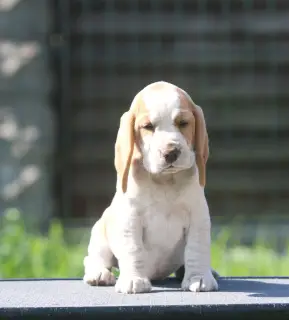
(260, 259)
(28, 255)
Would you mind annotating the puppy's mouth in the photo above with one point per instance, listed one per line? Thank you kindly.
(171, 169)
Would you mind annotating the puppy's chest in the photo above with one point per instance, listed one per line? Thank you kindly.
(165, 225)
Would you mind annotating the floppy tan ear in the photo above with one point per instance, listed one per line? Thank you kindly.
(201, 143)
(124, 147)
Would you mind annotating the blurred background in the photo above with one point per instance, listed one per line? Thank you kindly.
(70, 68)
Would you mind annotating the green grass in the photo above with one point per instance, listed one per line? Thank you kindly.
(27, 255)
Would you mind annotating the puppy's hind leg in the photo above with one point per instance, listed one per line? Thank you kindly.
(100, 259)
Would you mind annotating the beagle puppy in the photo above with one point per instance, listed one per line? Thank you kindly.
(158, 220)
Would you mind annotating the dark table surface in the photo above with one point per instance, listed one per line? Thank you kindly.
(71, 297)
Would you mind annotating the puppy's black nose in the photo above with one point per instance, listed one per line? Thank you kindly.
(172, 155)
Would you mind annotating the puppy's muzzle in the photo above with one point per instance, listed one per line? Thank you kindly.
(172, 155)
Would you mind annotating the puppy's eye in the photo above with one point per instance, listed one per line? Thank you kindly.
(148, 126)
(183, 124)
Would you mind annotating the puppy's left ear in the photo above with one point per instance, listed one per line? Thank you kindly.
(201, 142)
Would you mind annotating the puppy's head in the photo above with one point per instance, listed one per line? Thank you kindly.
(166, 130)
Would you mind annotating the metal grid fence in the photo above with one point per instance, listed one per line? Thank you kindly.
(231, 56)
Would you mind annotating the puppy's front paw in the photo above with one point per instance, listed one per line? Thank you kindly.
(197, 283)
(126, 284)
(101, 277)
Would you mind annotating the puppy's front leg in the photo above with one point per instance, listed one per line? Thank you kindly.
(132, 256)
(198, 274)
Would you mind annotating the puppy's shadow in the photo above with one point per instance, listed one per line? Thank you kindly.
(254, 287)
(167, 285)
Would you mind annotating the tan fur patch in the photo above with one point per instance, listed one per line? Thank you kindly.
(186, 106)
(188, 131)
(142, 118)
(200, 135)
(141, 115)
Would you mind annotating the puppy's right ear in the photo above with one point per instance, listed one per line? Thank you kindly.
(124, 147)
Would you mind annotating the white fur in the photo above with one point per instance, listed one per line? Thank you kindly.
(162, 222)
